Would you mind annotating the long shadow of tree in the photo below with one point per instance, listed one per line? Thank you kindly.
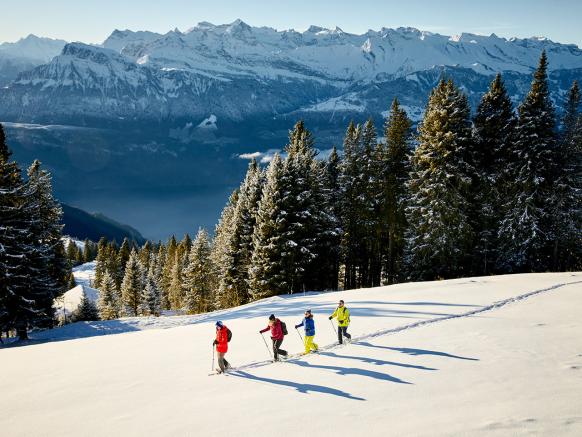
(377, 361)
(301, 388)
(352, 371)
(415, 352)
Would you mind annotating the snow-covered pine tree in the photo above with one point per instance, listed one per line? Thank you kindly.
(439, 237)
(86, 251)
(237, 250)
(299, 225)
(86, 311)
(268, 274)
(219, 253)
(352, 171)
(109, 304)
(176, 289)
(168, 263)
(567, 210)
(526, 231)
(394, 159)
(17, 300)
(132, 286)
(371, 183)
(197, 281)
(329, 234)
(112, 262)
(151, 295)
(71, 282)
(493, 127)
(100, 262)
(50, 265)
(72, 253)
(123, 257)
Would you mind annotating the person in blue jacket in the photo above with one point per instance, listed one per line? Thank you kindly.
(309, 332)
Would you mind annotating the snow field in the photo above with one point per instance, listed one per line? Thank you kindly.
(515, 369)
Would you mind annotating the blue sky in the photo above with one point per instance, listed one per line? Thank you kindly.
(92, 21)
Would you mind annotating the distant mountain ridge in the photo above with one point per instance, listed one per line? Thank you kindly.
(147, 121)
(81, 224)
(235, 71)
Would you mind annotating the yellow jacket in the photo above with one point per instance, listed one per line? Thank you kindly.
(343, 316)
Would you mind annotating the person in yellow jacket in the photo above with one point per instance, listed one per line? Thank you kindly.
(343, 321)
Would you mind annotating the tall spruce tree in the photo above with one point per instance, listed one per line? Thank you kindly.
(86, 311)
(268, 273)
(352, 171)
(300, 211)
(494, 124)
(220, 253)
(51, 269)
(132, 286)
(17, 298)
(109, 304)
(151, 295)
(197, 282)
(237, 247)
(439, 236)
(567, 210)
(526, 234)
(394, 158)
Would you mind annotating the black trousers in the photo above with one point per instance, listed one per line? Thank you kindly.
(277, 349)
(342, 330)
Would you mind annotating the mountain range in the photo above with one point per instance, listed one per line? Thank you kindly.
(168, 116)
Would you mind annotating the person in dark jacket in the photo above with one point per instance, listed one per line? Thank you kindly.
(309, 332)
(221, 343)
(277, 336)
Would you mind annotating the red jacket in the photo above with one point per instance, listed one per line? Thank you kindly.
(276, 330)
(222, 339)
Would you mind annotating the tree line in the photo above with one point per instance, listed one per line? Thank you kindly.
(491, 193)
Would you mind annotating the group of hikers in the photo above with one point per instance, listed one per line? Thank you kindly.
(279, 330)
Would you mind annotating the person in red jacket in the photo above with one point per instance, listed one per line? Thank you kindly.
(277, 336)
(221, 343)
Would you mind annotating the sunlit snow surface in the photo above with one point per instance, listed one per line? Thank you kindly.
(484, 356)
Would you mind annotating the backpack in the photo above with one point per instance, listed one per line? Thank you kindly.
(228, 335)
(284, 328)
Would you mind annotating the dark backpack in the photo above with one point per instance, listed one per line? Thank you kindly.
(284, 328)
(228, 335)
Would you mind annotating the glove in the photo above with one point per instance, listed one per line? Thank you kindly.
(296, 326)
(330, 317)
(214, 343)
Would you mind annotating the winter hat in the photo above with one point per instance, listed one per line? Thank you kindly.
(272, 317)
(219, 324)
(307, 311)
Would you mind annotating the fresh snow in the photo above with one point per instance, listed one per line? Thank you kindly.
(84, 275)
(488, 356)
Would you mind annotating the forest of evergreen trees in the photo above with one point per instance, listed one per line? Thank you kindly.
(499, 191)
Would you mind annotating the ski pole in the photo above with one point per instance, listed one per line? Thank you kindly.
(300, 336)
(212, 368)
(333, 328)
(265, 341)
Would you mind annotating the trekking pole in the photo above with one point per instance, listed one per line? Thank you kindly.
(333, 328)
(300, 336)
(265, 341)
(212, 368)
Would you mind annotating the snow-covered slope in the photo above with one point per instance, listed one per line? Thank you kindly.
(478, 356)
(84, 275)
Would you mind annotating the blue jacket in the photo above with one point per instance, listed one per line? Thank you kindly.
(309, 326)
